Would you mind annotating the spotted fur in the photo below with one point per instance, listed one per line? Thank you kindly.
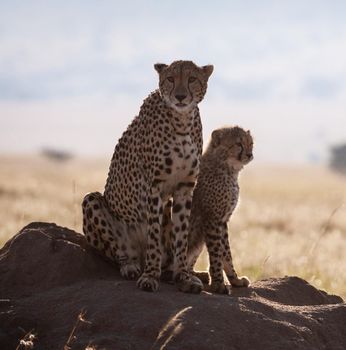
(156, 160)
(214, 200)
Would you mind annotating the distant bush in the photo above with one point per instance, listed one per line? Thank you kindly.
(56, 155)
(338, 158)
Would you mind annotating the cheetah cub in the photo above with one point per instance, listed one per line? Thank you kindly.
(214, 200)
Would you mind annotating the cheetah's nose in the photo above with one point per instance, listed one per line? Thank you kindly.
(180, 98)
(250, 155)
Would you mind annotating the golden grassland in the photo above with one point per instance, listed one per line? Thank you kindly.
(290, 220)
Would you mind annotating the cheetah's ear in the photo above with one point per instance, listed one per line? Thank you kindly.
(216, 138)
(159, 67)
(207, 70)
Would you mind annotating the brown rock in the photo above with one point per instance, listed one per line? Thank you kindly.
(48, 275)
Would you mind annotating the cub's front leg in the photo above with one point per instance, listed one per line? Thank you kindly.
(182, 200)
(214, 242)
(149, 280)
(231, 274)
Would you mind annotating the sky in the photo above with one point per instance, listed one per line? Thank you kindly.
(73, 74)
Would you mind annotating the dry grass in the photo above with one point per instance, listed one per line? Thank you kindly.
(27, 342)
(291, 221)
(72, 336)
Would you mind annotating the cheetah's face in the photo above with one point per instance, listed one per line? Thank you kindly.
(236, 143)
(183, 84)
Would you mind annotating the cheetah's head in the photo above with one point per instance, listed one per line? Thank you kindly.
(183, 84)
(234, 143)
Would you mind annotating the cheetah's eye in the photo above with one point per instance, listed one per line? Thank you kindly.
(192, 79)
(239, 144)
(170, 79)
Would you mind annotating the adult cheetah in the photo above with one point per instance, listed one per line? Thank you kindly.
(156, 159)
(214, 200)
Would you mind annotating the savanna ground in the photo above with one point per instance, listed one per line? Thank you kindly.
(290, 221)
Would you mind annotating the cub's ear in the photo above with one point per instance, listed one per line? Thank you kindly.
(216, 136)
(159, 67)
(207, 70)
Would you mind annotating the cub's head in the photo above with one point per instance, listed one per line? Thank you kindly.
(183, 84)
(234, 143)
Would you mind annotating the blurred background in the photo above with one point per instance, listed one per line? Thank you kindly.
(73, 74)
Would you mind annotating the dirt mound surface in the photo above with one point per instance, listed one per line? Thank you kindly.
(48, 275)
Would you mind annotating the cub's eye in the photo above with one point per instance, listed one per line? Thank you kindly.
(239, 144)
(170, 79)
(192, 79)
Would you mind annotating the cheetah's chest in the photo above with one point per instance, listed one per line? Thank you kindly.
(183, 163)
(232, 199)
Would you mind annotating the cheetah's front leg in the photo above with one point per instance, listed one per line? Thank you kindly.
(215, 250)
(149, 281)
(182, 200)
(228, 265)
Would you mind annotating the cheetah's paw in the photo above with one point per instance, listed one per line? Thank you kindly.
(130, 271)
(239, 281)
(220, 288)
(148, 283)
(188, 283)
